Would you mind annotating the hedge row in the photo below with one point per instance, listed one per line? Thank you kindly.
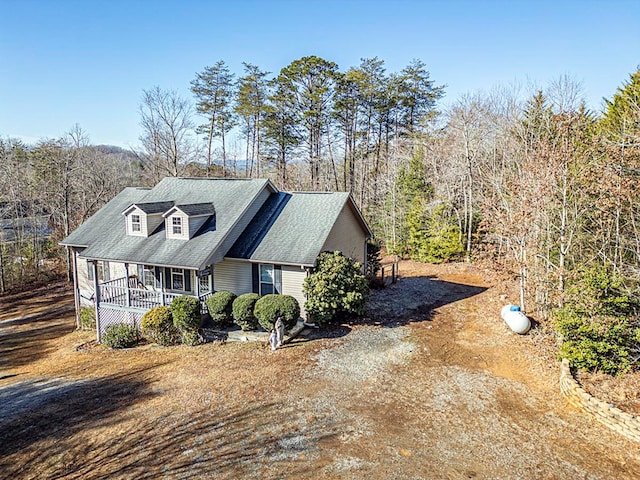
(250, 310)
(181, 322)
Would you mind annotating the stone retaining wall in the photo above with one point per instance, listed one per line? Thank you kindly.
(607, 414)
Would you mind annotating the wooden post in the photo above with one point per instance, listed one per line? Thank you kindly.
(96, 296)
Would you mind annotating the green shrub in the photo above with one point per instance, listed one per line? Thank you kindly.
(436, 236)
(187, 318)
(157, 326)
(598, 324)
(243, 308)
(120, 335)
(335, 288)
(88, 318)
(220, 306)
(272, 306)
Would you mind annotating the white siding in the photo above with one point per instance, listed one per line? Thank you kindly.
(116, 270)
(292, 281)
(185, 226)
(144, 230)
(347, 236)
(153, 222)
(233, 276)
(85, 286)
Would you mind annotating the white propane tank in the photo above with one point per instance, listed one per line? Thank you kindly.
(515, 319)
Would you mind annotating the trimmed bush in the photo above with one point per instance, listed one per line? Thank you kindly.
(120, 335)
(157, 326)
(187, 318)
(88, 318)
(335, 288)
(220, 306)
(270, 307)
(242, 310)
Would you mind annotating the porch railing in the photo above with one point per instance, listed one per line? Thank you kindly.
(117, 292)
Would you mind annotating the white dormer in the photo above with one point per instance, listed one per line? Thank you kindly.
(183, 221)
(141, 219)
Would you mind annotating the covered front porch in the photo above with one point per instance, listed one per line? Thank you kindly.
(131, 292)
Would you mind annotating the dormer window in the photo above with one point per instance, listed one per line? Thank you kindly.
(142, 219)
(136, 225)
(182, 222)
(176, 223)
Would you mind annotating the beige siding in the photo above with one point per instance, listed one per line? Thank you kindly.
(347, 236)
(292, 280)
(185, 226)
(233, 276)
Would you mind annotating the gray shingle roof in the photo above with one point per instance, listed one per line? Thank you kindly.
(105, 238)
(195, 209)
(290, 228)
(154, 207)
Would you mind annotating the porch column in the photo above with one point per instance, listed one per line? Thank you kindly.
(96, 296)
(197, 283)
(76, 288)
(126, 276)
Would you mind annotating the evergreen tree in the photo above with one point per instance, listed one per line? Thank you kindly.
(214, 91)
(251, 107)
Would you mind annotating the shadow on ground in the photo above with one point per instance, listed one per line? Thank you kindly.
(25, 341)
(225, 443)
(38, 297)
(414, 299)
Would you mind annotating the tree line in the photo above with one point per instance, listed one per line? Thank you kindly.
(539, 184)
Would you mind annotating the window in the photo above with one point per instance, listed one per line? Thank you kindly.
(205, 284)
(177, 279)
(136, 226)
(266, 279)
(176, 223)
(148, 276)
(103, 271)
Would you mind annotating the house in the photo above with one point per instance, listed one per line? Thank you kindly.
(195, 236)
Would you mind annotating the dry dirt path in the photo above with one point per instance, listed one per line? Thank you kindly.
(453, 394)
(432, 386)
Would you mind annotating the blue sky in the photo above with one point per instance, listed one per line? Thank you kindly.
(64, 62)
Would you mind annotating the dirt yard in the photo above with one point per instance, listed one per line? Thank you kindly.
(431, 386)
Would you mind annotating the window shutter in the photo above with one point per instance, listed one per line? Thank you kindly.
(157, 276)
(107, 272)
(187, 280)
(167, 278)
(255, 278)
(141, 273)
(89, 271)
(277, 279)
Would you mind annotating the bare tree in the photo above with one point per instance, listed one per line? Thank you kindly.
(167, 137)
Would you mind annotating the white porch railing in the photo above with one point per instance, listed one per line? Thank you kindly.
(118, 292)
